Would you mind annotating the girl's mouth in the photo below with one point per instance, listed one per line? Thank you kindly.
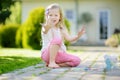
(54, 21)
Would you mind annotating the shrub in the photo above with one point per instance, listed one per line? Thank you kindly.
(67, 43)
(113, 41)
(18, 38)
(85, 18)
(7, 35)
(28, 35)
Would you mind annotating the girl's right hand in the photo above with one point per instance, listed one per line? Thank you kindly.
(49, 22)
(47, 25)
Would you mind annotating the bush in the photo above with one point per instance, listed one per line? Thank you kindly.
(113, 41)
(7, 35)
(85, 18)
(18, 38)
(67, 43)
(28, 35)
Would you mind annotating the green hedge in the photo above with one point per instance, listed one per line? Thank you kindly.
(7, 35)
(28, 35)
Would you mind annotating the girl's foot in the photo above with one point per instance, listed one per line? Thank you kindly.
(53, 66)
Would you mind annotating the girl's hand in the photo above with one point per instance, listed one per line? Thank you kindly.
(47, 25)
(49, 22)
(81, 32)
(74, 38)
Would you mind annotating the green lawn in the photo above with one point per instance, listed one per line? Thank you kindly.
(12, 59)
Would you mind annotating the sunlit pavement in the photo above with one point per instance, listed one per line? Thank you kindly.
(92, 67)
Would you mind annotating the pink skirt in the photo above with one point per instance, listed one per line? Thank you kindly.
(62, 56)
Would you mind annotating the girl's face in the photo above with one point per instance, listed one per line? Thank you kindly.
(54, 16)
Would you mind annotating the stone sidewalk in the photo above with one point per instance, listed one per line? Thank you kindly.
(91, 68)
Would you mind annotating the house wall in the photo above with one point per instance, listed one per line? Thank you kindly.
(92, 6)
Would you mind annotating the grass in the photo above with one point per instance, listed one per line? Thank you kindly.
(13, 59)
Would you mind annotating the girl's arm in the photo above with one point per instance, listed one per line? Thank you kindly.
(75, 38)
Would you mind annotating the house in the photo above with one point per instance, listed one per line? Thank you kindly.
(105, 17)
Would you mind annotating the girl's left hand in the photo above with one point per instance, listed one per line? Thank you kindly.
(81, 32)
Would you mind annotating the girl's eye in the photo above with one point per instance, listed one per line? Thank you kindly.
(50, 15)
(56, 15)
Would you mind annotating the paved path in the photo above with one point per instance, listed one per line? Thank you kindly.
(91, 68)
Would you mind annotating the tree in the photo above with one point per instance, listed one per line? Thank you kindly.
(5, 9)
(85, 18)
(15, 17)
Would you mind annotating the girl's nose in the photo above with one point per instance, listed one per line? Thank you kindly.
(53, 17)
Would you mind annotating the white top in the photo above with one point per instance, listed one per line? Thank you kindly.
(46, 38)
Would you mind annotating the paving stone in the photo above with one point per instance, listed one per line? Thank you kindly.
(68, 78)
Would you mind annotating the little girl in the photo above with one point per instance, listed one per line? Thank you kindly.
(53, 34)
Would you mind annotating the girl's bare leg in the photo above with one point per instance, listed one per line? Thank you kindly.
(53, 52)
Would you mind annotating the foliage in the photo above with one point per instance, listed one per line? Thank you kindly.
(85, 17)
(113, 41)
(15, 16)
(67, 24)
(7, 35)
(28, 35)
(67, 43)
(5, 9)
(18, 38)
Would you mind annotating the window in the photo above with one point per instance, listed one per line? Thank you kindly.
(103, 23)
(69, 14)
